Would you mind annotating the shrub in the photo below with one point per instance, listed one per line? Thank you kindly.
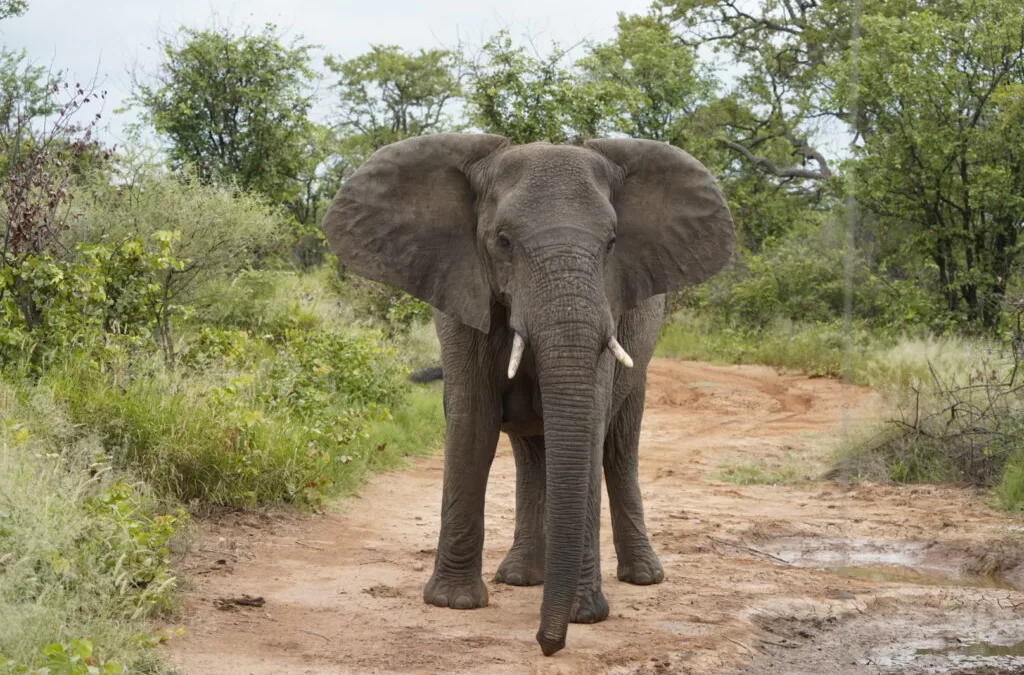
(963, 423)
(804, 278)
(84, 551)
(222, 230)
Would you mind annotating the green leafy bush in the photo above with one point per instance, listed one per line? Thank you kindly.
(804, 277)
(222, 229)
(49, 304)
(76, 658)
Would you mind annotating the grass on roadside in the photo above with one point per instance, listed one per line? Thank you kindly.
(84, 550)
(760, 473)
(820, 350)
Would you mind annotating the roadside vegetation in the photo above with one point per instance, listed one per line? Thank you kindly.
(175, 338)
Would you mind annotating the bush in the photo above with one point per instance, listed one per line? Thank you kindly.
(958, 417)
(84, 551)
(804, 278)
(275, 434)
(49, 305)
(222, 230)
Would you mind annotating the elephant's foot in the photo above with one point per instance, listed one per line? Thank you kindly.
(457, 594)
(642, 567)
(521, 569)
(590, 606)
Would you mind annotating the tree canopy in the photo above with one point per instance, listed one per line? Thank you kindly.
(235, 106)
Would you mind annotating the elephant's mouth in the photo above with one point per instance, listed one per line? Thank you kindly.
(521, 413)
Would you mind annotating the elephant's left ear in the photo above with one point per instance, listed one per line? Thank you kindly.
(674, 226)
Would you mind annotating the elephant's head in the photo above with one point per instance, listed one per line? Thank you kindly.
(560, 239)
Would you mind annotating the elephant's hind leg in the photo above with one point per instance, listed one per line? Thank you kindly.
(524, 564)
(637, 562)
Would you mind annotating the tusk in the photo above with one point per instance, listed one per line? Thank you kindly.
(518, 346)
(620, 354)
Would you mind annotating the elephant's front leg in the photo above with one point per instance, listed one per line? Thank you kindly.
(524, 564)
(473, 424)
(637, 562)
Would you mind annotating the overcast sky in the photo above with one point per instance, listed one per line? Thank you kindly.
(110, 37)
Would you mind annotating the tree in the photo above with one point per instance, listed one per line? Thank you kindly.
(235, 107)
(926, 89)
(943, 155)
(658, 85)
(654, 86)
(9, 8)
(786, 49)
(527, 98)
(389, 94)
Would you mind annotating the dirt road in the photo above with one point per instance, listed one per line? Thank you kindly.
(800, 577)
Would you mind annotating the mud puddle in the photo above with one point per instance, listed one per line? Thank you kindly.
(917, 563)
(975, 649)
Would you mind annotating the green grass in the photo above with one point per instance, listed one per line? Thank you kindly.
(820, 350)
(415, 429)
(1009, 492)
(760, 473)
(83, 553)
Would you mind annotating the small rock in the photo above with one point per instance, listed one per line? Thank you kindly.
(418, 567)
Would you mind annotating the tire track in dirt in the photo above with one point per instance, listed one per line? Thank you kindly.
(344, 591)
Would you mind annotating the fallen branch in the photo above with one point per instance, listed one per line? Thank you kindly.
(750, 550)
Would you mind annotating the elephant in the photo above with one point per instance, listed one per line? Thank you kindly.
(547, 267)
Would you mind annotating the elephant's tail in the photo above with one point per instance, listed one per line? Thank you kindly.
(427, 375)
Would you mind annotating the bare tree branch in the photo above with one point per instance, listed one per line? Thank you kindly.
(823, 173)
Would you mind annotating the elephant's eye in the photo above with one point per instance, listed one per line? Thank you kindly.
(504, 242)
(611, 245)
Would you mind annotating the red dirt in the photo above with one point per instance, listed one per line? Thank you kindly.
(344, 591)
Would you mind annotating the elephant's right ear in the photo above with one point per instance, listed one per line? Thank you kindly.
(408, 218)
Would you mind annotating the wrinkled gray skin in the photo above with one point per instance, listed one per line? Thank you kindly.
(567, 246)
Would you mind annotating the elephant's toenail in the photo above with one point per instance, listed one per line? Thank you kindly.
(463, 602)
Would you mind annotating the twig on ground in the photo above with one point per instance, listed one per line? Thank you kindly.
(750, 550)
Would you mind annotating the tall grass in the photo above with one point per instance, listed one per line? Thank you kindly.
(83, 553)
(820, 350)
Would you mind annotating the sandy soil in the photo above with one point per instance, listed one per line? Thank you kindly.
(806, 577)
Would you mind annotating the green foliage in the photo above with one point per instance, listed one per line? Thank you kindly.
(25, 90)
(804, 277)
(523, 97)
(654, 85)
(235, 107)
(388, 94)
(760, 473)
(391, 307)
(1009, 492)
(50, 305)
(76, 658)
(819, 350)
(9, 8)
(221, 231)
(943, 159)
(275, 433)
(84, 551)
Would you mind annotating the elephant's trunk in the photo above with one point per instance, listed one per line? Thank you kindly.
(568, 332)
